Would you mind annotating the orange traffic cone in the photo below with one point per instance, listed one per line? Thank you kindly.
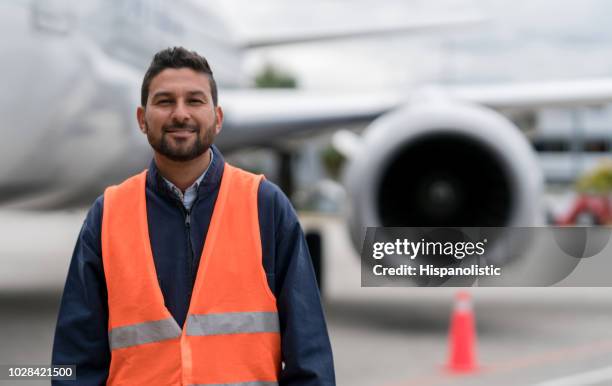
(462, 336)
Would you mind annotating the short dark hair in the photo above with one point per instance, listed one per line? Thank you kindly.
(176, 57)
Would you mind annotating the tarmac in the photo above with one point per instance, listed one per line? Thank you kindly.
(380, 336)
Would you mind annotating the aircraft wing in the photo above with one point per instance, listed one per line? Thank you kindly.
(535, 95)
(415, 26)
(257, 116)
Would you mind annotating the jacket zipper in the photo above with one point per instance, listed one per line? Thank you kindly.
(190, 257)
(191, 254)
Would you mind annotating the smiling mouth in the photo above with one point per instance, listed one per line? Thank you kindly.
(177, 128)
(180, 134)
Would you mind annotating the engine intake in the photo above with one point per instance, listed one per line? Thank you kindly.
(445, 179)
(443, 164)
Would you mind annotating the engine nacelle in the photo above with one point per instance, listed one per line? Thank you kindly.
(443, 164)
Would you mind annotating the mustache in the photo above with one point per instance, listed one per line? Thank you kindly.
(180, 127)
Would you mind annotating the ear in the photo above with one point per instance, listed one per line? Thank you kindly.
(219, 112)
(140, 116)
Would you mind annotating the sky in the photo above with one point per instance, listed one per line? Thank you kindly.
(519, 41)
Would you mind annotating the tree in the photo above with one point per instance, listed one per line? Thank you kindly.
(273, 77)
(598, 180)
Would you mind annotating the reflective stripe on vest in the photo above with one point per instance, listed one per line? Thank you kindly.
(141, 333)
(231, 334)
(197, 325)
(232, 323)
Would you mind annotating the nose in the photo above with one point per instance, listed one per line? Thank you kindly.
(180, 112)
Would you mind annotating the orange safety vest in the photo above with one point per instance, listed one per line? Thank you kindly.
(231, 334)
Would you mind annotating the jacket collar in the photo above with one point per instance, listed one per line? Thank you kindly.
(210, 181)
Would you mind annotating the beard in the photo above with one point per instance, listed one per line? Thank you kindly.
(182, 152)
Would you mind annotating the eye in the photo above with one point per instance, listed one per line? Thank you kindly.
(163, 102)
(196, 101)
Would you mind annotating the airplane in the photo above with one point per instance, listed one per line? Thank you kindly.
(433, 156)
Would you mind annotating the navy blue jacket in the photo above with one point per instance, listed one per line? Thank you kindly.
(81, 335)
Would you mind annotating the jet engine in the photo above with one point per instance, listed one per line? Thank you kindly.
(443, 164)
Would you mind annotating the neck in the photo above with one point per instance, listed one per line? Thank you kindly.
(182, 173)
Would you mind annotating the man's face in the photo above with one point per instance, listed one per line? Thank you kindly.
(180, 120)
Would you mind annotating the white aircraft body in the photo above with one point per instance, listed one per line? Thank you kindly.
(434, 156)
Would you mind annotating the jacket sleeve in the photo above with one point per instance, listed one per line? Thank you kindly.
(81, 337)
(306, 349)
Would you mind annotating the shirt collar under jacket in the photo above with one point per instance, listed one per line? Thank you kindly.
(210, 178)
(190, 193)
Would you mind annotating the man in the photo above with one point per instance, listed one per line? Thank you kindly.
(193, 272)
